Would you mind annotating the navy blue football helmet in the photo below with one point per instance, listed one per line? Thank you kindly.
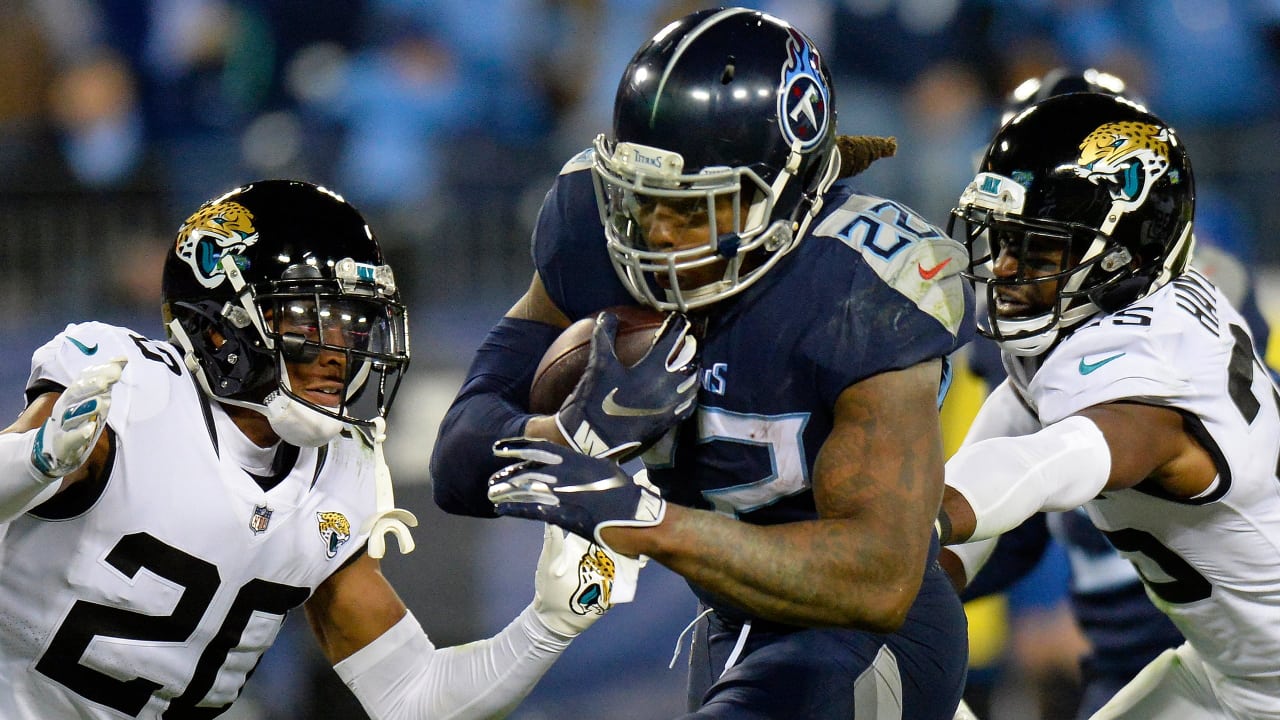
(1093, 182)
(727, 103)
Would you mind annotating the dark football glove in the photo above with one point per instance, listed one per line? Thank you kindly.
(616, 410)
(580, 493)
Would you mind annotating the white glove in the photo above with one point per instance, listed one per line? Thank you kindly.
(78, 418)
(578, 581)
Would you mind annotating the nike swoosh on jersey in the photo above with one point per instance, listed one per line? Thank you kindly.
(1088, 367)
(86, 349)
(933, 271)
(612, 407)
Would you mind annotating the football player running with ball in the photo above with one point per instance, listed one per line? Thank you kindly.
(798, 456)
(1133, 389)
(164, 504)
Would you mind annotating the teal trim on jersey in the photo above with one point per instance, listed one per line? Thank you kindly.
(1087, 367)
(86, 349)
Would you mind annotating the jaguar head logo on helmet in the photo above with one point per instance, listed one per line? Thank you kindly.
(1128, 157)
(215, 230)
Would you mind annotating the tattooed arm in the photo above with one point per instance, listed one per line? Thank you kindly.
(877, 484)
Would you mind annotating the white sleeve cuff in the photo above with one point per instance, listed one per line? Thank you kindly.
(402, 676)
(973, 555)
(21, 486)
(1008, 479)
(406, 635)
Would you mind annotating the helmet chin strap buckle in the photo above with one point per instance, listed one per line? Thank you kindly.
(1116, 260)
(236, 315)
(778, 236)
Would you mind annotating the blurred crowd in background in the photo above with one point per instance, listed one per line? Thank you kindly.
(444, 122)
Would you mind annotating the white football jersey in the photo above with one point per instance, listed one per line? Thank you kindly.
(1212, 563)
(155, 593)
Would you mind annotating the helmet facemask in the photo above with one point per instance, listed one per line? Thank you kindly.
(1026, 312)
(630, 178)
(1065, 272)
(350, 323)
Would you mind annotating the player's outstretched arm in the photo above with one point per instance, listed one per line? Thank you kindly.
(996, 484)
(381, 652)
(877, 484)
(58, 440)
(987, 567)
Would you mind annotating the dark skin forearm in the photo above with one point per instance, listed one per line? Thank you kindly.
(812, 573)
(877, 484)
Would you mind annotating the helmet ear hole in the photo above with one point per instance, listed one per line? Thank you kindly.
(216, 339)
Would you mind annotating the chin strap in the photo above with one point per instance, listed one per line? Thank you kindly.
(387, 518)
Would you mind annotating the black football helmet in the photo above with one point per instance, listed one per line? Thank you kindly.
(1098, 178)
(1061, 81)
(283, 270)
(726, 102)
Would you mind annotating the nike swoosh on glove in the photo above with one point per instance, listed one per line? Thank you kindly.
(618, 411)
(580, 493)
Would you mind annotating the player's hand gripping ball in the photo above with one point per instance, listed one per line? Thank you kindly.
(564, 362)
(631, 381)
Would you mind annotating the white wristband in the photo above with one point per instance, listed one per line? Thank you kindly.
(973, 555)
(22, 487)
(1008, 479)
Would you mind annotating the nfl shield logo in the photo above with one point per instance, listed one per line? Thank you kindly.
(261, 516)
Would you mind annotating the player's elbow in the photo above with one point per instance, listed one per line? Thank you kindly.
(879, 606)
(888, 608)
(462, 459)
(453, 499)
(458, 493)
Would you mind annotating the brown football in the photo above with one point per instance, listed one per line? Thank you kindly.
(565, 361)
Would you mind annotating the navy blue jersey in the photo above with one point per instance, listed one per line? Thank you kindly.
(873, 288)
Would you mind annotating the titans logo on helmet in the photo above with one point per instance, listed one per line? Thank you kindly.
(804, 103)
(215, 230)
